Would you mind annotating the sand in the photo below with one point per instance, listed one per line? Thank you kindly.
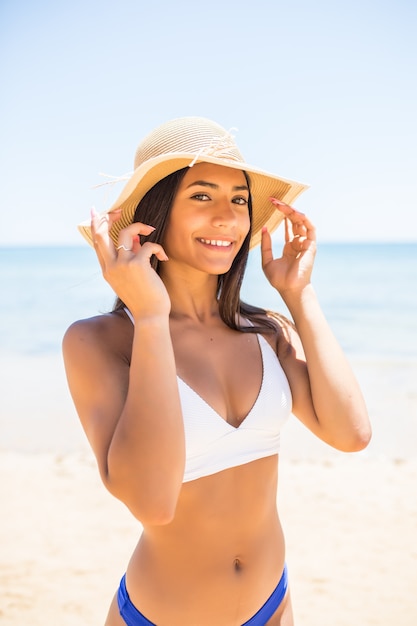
(350, 520)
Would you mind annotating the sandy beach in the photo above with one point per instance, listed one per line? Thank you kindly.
(350, 520)
(350, 527)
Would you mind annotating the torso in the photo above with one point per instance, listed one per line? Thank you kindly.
(224, 550)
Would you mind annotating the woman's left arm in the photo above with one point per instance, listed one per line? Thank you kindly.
(326, 394)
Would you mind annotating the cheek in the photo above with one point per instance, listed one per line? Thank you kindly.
(245, 223)
(175, 239)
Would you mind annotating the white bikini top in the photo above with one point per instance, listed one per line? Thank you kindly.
(213, 445)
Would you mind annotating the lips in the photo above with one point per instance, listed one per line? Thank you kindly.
(219, 243)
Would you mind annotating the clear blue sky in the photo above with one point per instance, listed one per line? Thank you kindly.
(321, 91)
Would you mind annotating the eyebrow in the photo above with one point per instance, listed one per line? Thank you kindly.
(205, 183)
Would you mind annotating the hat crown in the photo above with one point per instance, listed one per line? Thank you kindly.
(190, 135)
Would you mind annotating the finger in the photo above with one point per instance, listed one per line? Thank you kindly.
(289, 211)
(135, 243)
(306, 229)
(309, 244)
(301, 225)
(129, 238)
(109, 218)
(150, 249)
(297, 244)
(266, 247)
(100, 230)
(130, 234)
(285, 208)
(101, 224)
(288, 234)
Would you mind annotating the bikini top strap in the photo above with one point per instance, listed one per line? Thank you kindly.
(130, 316)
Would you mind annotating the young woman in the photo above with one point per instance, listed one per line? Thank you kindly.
(182, 389)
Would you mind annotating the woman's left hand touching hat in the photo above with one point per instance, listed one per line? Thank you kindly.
(292, 271)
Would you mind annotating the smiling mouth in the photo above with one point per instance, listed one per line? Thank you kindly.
(218, 243)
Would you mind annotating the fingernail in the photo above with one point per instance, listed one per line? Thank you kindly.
(276, 201)
(93, 211)
(149, 226)
(264, 229)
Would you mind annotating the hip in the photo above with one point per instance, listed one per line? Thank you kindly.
(225, 583)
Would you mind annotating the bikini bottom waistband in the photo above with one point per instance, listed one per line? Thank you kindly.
(133, 617)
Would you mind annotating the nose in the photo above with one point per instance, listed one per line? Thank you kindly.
(224, 213)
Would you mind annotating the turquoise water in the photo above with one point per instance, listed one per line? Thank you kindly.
(368, 292)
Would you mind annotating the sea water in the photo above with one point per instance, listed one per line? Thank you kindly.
(368, 293)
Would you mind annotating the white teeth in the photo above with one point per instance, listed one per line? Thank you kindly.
(215, 242)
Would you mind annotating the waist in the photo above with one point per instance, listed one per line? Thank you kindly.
(205, 577)
(225, 541)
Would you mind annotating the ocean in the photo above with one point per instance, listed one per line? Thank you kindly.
(368, 293)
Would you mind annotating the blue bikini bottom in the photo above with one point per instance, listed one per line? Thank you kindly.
(133, 617)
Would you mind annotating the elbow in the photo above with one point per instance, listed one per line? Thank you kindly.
(362, 432)
(362, 439)
(150, 505)
(357, 440)
(151, 494)
(357, 443)
(149, 515)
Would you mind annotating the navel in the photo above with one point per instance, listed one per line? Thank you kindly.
(237, 564)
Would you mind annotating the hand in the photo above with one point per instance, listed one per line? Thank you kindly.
(291, 272)
(127, 267)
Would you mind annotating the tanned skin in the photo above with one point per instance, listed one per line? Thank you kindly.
(212, 550)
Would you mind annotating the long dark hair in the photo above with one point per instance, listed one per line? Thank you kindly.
(155, 208)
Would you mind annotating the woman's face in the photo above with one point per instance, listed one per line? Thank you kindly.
(209, 218)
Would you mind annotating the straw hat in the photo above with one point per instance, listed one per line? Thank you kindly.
(182, 143)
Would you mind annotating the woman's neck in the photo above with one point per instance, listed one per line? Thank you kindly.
(193, 295)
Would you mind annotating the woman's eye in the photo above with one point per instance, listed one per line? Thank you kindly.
(201, 196)
(240, 200)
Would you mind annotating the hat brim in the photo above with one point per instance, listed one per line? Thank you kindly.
(263, 185)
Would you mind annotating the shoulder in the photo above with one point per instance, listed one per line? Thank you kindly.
(105, 333)
(281, 334)
(94, 325)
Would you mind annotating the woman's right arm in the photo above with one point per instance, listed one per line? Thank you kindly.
(131, 414)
